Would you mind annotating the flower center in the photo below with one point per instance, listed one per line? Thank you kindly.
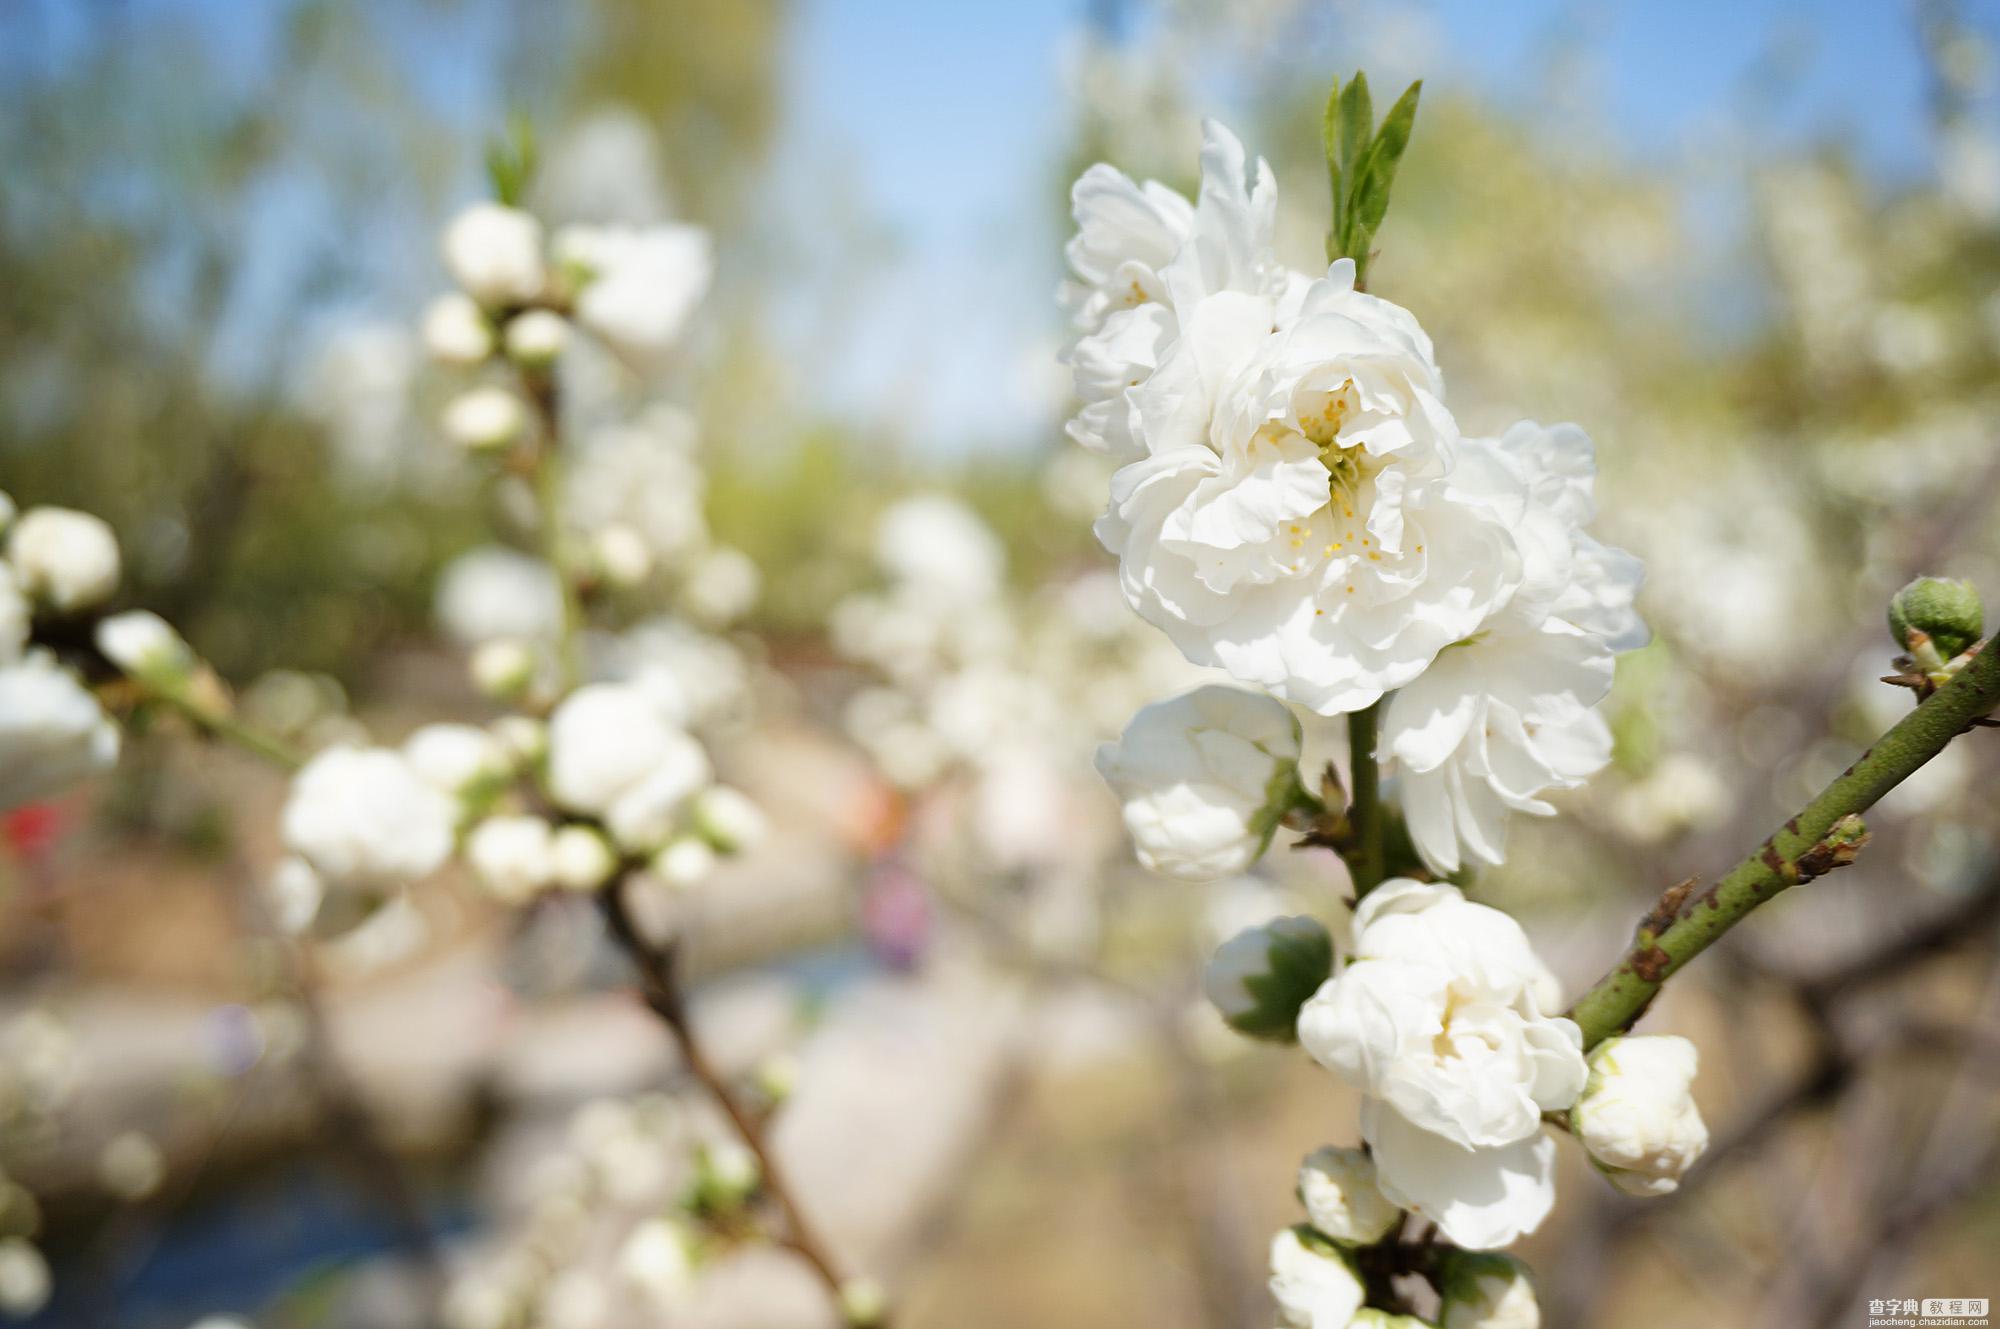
(1321, 418)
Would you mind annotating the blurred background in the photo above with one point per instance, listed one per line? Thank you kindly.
(1751, 247)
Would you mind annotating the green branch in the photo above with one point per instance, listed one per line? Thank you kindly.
(1825, 834)
(1364, 810)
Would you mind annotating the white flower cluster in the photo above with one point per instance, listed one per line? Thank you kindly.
(632, 288)
(981, 691)
(59, 565)
(1295, 504)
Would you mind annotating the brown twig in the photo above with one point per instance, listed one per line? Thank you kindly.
(660, 987)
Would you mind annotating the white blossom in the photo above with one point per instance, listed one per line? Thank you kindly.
(936, 544)
(616, 753)
(52, 731)
(1314, 1283)
(362, 815)
(638, 284)
(512, 856)
(1437, 1019)
(495, 253)
(1203, 778)
(493, 593)
(65, 558)
(1507, 714)
(1339, 1191)
(1637, 1116)
(456, 331)
(722, 585)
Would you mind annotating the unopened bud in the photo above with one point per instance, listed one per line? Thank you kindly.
(726, 1175)
(456, 331)
(863, 1303)
(776, 1077)
(535, 339)
(1486, 1290)
(623, 555)
(1339, 1191)
(503, 669)
(727, 819)
(582, 858)
(685, 863)
(1637, 1116)
(1942, 611)
(1260, 977)
(484, 419)
(145, 646)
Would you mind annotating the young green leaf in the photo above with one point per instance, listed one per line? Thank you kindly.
(1376, 174)
(1330, 136)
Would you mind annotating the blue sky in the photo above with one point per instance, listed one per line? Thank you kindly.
(947, 120)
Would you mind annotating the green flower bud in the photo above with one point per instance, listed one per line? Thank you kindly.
(1944, 610)
(1260, 977)
(1486, 1290)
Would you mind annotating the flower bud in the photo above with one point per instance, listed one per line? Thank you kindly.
(1637, 1116)
(622, 555)
(1260, 977)
(484, 419)
(511, 856)
(659, 1259)
(503, 669)
(522, 738)
(1314, 1282)
(726, 1174)
(1204, 778)
(495, 253)
(461, 760)
(537, 338)
(67, 559)
(685, 863)
(776, 1076)
(1337, 1187)
(727, 819)
(1943, 610)
(145, 646)
(863, 1303)
(581, 858)
(456, 331)
(1486, 1290)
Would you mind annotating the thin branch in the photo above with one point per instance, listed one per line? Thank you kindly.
(1820, 837)
(659, 985)
(1365, 857)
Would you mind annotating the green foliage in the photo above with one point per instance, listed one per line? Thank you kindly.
(511, 160)
(1361, 162)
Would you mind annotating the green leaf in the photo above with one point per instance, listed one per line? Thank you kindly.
(1376, 173)
(1329, 134)
(1357, 122)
